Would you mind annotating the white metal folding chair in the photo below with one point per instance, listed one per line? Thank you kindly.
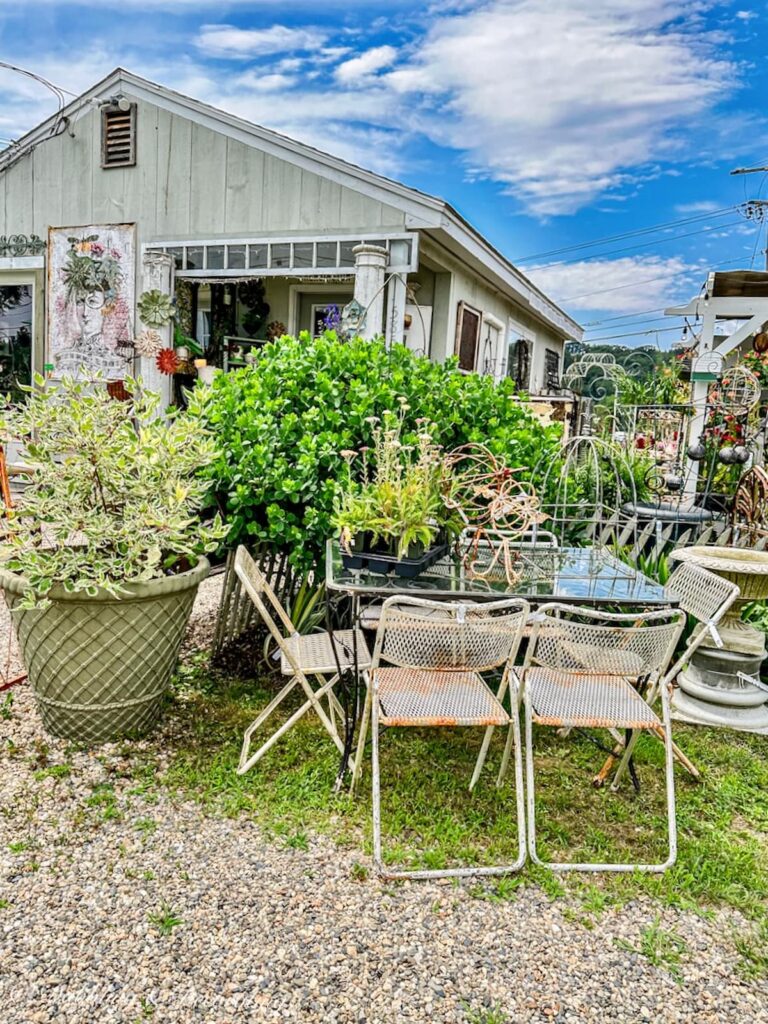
(427, 670)
(301, 657)
(705, 597)
(585, 669)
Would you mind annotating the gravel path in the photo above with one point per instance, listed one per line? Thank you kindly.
(119, 905)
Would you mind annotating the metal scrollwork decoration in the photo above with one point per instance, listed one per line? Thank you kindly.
(750, 504)
(497, 508)
(21, 245)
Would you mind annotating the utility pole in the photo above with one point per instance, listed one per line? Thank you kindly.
(756, 209)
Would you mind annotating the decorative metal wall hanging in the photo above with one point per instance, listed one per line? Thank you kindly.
(21, 245)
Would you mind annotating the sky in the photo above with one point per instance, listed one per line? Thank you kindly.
(592, 143)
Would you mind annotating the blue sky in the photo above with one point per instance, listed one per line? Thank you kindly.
(547, 123)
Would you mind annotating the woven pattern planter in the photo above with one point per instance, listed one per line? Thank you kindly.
(100, 666)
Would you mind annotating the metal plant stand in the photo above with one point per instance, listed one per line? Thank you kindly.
(711, 690)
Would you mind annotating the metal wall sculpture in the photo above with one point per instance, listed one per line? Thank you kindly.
(91, 291)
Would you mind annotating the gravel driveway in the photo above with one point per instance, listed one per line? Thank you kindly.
(118, 904)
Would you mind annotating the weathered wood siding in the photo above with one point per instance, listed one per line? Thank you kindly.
(189, 182)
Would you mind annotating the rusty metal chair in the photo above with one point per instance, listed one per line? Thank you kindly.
(428, 670)
(301, 657)
(705, 597)
(587, 669)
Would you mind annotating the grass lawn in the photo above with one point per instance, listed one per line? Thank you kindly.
(431, 820)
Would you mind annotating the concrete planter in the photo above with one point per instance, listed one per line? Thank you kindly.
(100, 666)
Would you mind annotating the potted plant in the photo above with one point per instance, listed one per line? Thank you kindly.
(102, 560)
(395, 518)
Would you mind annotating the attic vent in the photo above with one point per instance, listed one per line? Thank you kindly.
(118, 136)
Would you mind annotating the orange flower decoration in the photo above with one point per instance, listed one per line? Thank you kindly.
(167, 361)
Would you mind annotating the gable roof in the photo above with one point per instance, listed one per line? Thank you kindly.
(422, 211)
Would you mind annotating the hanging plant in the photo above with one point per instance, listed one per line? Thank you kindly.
(155, 308)
(148, 343)
(167, 361)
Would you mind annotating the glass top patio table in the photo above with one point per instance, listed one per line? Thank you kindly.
(591, 576)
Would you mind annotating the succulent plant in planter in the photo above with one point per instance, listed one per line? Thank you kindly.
(102, 559)
(397, 510)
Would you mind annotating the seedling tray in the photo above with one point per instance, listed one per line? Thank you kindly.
(387, 565)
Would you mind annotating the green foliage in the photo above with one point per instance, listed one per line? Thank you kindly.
(115, 495)
(401, 498)
(282, 424)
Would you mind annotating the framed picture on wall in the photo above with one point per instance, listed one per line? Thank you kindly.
(467, 336)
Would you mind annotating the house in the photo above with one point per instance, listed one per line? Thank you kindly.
(133, 190)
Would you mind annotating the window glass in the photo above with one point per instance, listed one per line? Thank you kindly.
(194, 257)
(302, 254)
(215, 257)
(326, 254)
(280, 254)
(257, 255)
(15, 338)
(236, 257)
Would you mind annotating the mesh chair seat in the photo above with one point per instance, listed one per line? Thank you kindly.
(314, 652)
(412, 696)
(588, 701)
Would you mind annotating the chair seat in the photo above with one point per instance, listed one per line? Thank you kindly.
(575, 700)
(314, 652)
(412, 696)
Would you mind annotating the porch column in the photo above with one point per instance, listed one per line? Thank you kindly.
(370, 270)
(157, 272)
(396, 296)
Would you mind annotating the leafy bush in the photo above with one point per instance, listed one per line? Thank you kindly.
(282, 423)
(115, 495)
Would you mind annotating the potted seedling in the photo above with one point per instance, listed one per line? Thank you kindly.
(102, 560)
(391, 514)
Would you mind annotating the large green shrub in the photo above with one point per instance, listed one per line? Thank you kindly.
(281, 424)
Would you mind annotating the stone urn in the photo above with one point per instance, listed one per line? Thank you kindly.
(711, 691)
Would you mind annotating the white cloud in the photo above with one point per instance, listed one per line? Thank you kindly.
(270, 82)
(242, 43)
(628, 285)
(701, 206)
(366, 64)
(559, 100)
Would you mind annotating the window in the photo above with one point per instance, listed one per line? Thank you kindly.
(551, 370)
(467, 336)
(118, 135)
(519, 363)
(16, 326)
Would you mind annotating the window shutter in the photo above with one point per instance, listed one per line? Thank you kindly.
(118, 137)
(467, 336)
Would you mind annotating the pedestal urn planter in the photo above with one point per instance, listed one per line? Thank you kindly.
(710, 690)
(100, 665)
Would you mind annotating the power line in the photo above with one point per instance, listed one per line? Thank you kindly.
(641, 323)
(648, 280)
(634, 334)
(629, 234)
(633, 248)
(623, 316)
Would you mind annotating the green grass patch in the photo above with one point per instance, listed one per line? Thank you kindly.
(661, 947)
(430, 819)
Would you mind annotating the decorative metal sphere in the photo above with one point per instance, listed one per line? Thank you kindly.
(696, 452)
(673, 482)
(740, 454)
(737, 392)
(727, 456)
(760, 342)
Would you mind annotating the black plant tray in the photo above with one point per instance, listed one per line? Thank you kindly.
(385, 565)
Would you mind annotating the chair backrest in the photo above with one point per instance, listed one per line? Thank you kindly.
(701, 593)
(449, 635)
(257, 587)
(588, 641)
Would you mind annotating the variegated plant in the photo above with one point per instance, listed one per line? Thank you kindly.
(114, 496)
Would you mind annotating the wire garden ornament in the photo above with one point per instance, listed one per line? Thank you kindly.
(737, 392)
(497, 509)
